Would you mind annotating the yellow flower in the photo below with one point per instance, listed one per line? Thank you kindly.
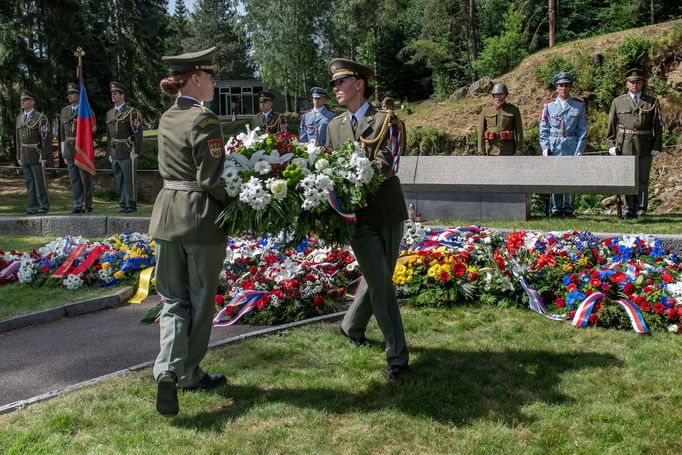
(567, 267)
(105, 265)
(583, 261)
(420, 261)
(118, 275)
(472, 268)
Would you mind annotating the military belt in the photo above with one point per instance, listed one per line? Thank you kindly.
(562, 134)
(70, 139)
(121, 141)
(637, 132)
(31, 146)
(181, 185)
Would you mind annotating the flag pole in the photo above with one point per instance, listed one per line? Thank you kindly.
(86, 177)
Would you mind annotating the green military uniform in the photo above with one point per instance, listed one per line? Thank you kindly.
(503, 128)
(81, 182)
(376, 241)
(33, 145)
(636, 130)
(274, 121)
(124, 142)
(190, 247)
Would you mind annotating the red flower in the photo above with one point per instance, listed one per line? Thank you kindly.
(659, 307)
(596, 282)
(499, 261)
(319, 301)
(458, 268)
(619, 277)
(571, 287)
(246, 284)
(444, 276)
(279, 294)
(667, 277)
(629, 289)
(571, 315)
(253, 270)
(219, 300)
(45, 268)
(229, 311)
(605, 287)
(560, 302)
(473, 276)
(593, 319)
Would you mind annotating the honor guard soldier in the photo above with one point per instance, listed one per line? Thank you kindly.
(563, 132)
(500, 129)
(33, 145)
(314, 122)
(124, 141)
(379, 227)
(267, 119)
(190, 247)
(635, 128)
(81, 182)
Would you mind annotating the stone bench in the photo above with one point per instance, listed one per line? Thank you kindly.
(480, 188)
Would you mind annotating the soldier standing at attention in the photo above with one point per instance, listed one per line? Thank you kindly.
(314, 122)
(500, 129)
(33, 145)
(380, 225)
(68, 119)
(124, 141)
(267, 119)
(563, 132)
(635, 128)
(190, 248)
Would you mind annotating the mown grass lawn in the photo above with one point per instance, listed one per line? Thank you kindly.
(483, 381)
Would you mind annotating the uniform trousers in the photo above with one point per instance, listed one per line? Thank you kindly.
(640, 202)
(376, 250)
(81, 184)
(123, 174)
(36, 188)
(186, 279)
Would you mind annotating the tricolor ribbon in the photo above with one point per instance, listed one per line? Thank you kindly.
(247, 299)
(64, 268)
(143, 286)
(89, 260)
(582, 314)
(334, 202)
(10, 270)
(394, 145)
(636, 318)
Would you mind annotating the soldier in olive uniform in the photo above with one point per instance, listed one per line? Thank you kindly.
(33, 145)
(124, 141)
(81, 182)
(267, 119)
(500, 129)
(379, 229)
(190, 248)
(635, 128)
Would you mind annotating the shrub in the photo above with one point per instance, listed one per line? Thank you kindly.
(545, 73)
(502, 53)
(427, 141)
(531, 140)
(596, 130)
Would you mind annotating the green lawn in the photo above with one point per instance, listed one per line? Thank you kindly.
(483, 381)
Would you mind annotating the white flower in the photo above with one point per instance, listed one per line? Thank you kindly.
(26, 271)
(315, 190)
(278, 188)
(321, 164)
(73, 281)
(104, 274)
(254, 195)
(300, 162)
(262, 167)
(673, 328)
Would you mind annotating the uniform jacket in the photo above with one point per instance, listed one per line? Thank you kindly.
(68, 120)
(270, 124)
(564, 130)
(624, 115)
(387, 205)
(125, 125)
(314, 125)
(506, 118)
(190, 146)
(33, 138)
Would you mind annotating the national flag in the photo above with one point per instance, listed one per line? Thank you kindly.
(85, 147)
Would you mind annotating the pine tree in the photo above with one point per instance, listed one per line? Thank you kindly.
(179, 29)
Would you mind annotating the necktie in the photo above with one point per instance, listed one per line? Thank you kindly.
(636, 99)
(353, 123)
(25, 116)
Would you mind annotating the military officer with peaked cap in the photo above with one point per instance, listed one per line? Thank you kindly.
(190, 248)
(81, 182)
(314, 121)
(379, 229)
(267, 119)
(124, 142)
(500, 129)
(563, 132)
(635, 128)
(33, 145)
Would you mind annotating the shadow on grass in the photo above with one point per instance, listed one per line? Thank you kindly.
(451, 387)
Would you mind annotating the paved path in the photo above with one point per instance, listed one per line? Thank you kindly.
(42, 358)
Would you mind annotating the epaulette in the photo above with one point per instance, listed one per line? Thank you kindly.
(579, 100)
(308, 110)
(203, 108)
(550, 101)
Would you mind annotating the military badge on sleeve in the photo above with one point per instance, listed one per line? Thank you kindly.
(214, 148)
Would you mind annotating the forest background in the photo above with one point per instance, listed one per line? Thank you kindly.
(419, 48)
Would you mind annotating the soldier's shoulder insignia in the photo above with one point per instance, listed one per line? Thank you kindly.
(309, 110)
(208, 122)
(549, 101)
(579, 100)
(214, 147)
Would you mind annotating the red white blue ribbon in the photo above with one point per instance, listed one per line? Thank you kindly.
(10, 270)
(636, 318)
(334, 202)
(247, 300)
(394, 145)
(449, 233)
(535, 301)
(582, 314)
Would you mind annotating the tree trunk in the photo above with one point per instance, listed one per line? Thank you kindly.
(552, 31)
(472, 34)
(376, 44)
(653, 18)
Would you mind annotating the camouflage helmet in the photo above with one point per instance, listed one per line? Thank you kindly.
(499, 88)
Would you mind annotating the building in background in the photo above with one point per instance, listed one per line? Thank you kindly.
(240, 97)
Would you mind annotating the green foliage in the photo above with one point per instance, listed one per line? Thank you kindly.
(502, 53)
(427, 141)
(531, 140)
(545, 72)
(596, 130)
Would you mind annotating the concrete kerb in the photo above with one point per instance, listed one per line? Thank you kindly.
(67, 311)
(256, 333)
(85, 225)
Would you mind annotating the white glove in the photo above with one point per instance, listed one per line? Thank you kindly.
(63, 144)
(612, 151)
(111, 160)
(19, 162)
(578, 153)
(655, 152)
(133, 155)
(545, 152)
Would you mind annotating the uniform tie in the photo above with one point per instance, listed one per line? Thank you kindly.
(353, 123)
(636, 97)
